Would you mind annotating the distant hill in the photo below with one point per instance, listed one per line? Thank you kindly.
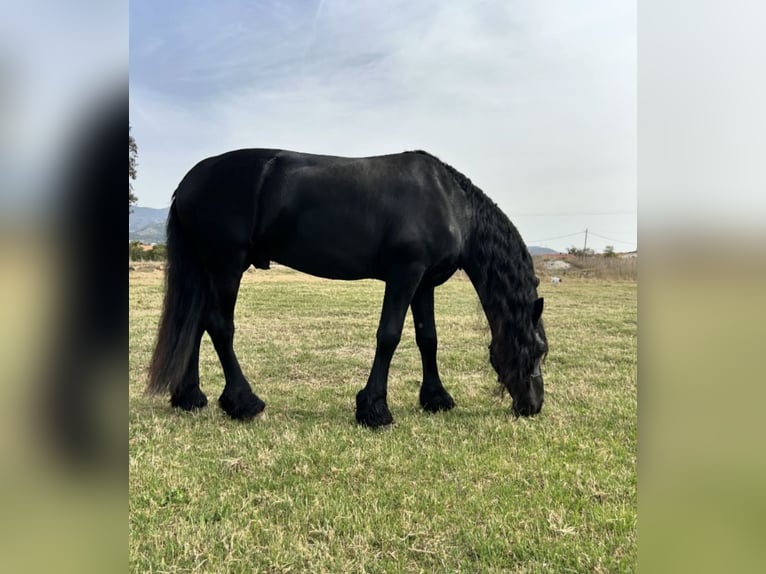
(140, 217)
(147, 224)
(154, 233)
(535, 250)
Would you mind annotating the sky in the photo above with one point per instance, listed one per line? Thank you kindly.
(534, 101)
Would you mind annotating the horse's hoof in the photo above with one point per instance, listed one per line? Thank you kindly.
(242, 406)
(189, 400)
(373, 414)
(374, 420)
(433, 402)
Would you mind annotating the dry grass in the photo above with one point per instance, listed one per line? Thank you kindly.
(596, 267)
(304, 489)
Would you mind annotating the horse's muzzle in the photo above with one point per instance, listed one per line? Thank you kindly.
(527, 409)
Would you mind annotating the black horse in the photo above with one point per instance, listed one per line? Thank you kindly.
(407, 219)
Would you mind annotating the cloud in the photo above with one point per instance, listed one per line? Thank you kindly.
(536, 103)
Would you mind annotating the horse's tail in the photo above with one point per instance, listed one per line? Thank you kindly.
(182, 310)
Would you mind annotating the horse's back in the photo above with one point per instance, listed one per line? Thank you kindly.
(359, 217)
(331, 216)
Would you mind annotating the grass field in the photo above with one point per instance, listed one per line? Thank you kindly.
(304, 489)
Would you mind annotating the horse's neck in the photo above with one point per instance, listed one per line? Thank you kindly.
(499, 266)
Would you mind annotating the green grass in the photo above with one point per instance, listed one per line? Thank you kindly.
(304, 489)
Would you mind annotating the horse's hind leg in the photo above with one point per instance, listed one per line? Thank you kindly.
(433, 396)
(237, 399)
(188, 396)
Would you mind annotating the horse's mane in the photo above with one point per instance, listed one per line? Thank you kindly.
(502, 271)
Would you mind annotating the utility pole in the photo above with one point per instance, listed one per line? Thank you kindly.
(584, 247)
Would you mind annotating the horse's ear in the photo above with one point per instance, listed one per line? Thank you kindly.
(537, 310)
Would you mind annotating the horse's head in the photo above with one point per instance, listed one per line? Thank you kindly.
(517, 360)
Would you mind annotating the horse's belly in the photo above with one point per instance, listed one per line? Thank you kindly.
(330, 265)
(338, 253)
(357, 241)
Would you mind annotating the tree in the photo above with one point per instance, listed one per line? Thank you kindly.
(132, 154)
(609, 251)
(159, 252)
(135, 253)
(580, 252)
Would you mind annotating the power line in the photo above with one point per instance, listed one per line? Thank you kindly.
(571, 213)
(586, 232)
(615, 240)
(559, 237)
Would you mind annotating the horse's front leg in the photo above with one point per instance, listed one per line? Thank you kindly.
(371, 404)
(433, 395)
